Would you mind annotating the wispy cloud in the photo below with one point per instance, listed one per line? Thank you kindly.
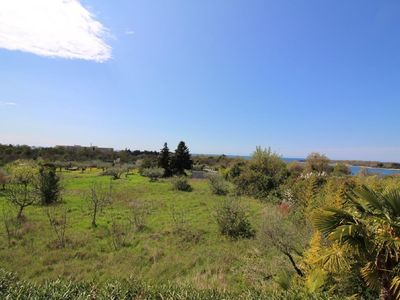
(55, 28)
(129, 32)
(2, 103)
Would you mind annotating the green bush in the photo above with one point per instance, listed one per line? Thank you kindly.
(233, 221)
(153, 173)
(181, 184)
(218, 185)
(114, 172)
(262, 175)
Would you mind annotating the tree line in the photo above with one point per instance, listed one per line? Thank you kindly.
(9, 153)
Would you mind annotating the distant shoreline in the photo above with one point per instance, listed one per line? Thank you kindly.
(393, 166)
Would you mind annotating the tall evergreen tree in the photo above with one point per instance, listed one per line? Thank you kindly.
(164, 160)
(49, 185)
(181, 160)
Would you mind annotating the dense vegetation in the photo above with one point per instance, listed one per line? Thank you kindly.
(9, 153)
(250, 230)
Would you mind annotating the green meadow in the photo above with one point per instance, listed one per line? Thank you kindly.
(179, 243)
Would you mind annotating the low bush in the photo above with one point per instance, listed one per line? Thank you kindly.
(119, 233)
(153, 173)
(181, 184)
(115, 172)
(138, 217)
(218, 185)
(233, 220)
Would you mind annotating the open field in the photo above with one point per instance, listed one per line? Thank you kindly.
(180, 243)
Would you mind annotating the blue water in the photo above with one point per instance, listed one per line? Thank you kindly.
(354, 169)
(380, 171)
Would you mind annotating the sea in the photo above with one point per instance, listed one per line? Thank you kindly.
(354, 169)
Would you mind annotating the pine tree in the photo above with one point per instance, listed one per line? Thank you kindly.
(164, 160)
(181, 160)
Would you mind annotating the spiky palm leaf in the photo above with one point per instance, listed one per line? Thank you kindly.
(395, 287)
(370, 225)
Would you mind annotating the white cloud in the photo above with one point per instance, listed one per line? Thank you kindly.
(55, 28)
(129, 32)
(7, 103)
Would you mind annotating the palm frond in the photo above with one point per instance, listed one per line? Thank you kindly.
(344, 232)
(336, 258)
(392, 201)
(371, 275)
(395, 287)
(370, 200)
(329, 219)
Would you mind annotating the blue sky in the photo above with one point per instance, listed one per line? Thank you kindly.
(224, 76)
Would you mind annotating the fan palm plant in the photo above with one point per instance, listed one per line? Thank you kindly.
(369, 225)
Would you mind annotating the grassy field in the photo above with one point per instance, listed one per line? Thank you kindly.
(180, 244)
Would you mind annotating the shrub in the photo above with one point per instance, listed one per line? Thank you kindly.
(262, 175)
(119, 233)
(341, 170)
(233, 221)
(140, 211)
(148, 162)
(218, 185)
(235, 170)
(3, 178)
(12, 226)
(295, 169)
(58, 221)
(317, 162)
(280, 232)
(115, 172)
(153, 173)
(181, 184)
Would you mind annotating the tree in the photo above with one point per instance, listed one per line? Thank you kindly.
(98, 198)
(317, 162)
(287, 237)
(164, 160)
(181, 160)
(341, 170)
(369, 225)
(49, 185)
(262, 175)
(22, 190)
(57, 217)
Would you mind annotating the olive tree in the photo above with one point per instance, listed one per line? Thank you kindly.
(22, 188)
(283, 234)
(98, 198)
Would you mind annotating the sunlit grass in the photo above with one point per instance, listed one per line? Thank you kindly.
(198, 255)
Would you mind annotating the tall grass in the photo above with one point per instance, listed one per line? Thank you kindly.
(13, 288)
